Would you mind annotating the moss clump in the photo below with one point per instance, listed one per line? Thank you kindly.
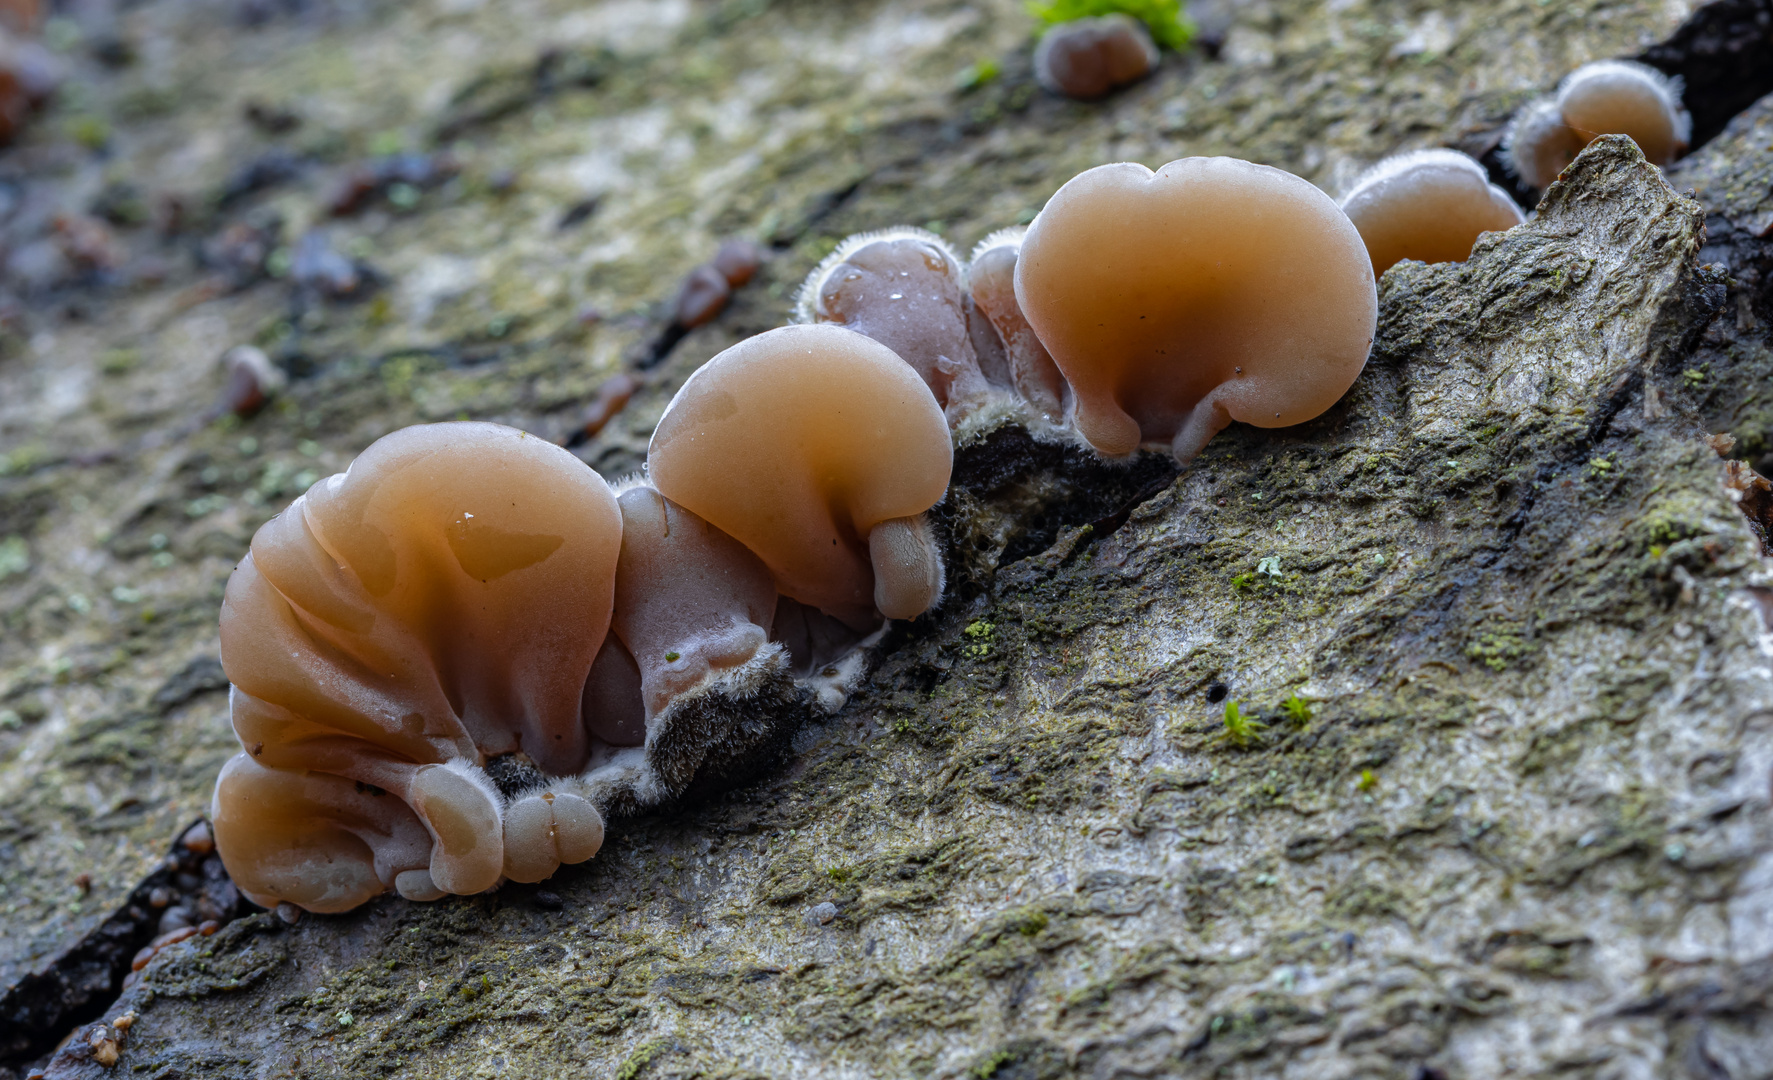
(1496, 650)
(1241, 731)
(1169, 27)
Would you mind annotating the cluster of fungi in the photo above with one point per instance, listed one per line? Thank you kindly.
(465, 591)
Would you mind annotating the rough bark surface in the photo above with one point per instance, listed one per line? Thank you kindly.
(1521, 826)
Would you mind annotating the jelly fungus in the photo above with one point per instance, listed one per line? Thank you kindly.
(691, 601)
(613, 395)
(1086, 59)
(818, 449)
(904, 288)
(1608, 97)
(1030, 368)
(707, 288)
(252, 380)
(1208, 291)
(440, 602)
(702, 296)
(1430, 205)
(737, 261)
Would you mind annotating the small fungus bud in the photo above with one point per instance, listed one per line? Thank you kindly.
(800, 443)
(545, 829)
(903, 288)
(1539, 145)
(992, 275)
(440, 601)
(611, 398)
(197, 839)
(1431, 206)
(1150, 289)
(1087, 58)
(691, 601)
(1608, 97)
(104, 1042)
(738, 260)
(252, 380)
(703, 295)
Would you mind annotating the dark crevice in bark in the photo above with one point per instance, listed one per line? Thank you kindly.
(82, 981)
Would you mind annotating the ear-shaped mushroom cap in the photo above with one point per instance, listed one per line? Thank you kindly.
(440, 601)
(903, 287)
(1619, 97)
(1086, 58)
(1211, 290)
(690, 600)
(819, 449)
(443, 597)
(1608, 97)
(992, 276)
(319, 841)
(1539, 145)
(1430, 205)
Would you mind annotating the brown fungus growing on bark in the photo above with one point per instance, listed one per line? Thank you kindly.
(819, 449)
(1208, 291)
(1430, 206)
(691, 602)
(1030, 368)
(904, 288)
(1088, 58)
(1607, 97)
(439, 602)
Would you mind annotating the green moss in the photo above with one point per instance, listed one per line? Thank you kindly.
(1169, 27)
(1239, 730)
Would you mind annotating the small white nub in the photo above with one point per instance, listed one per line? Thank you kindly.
(807, 300)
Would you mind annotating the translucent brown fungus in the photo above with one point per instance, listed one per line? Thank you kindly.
(319, 841)
(690, 600)
(737, 261)
(702, 296)
(1430, 206)
(612, 396)
(904, 288)
(1539, 145)
(819, 450)
(1209, 291)
(613, 708)
(1608, 97)
(1030, 368)
(252, 380)
(439, 602)
(1087, 58)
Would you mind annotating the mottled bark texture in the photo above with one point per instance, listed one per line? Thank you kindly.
(1522, 830)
